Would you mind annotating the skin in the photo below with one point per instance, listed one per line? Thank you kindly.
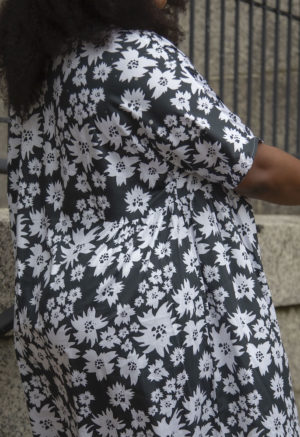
(274, 177)
(160, 3)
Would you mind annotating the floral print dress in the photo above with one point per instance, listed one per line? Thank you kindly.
(141, 304)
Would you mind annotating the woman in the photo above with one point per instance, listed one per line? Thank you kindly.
(142, 307)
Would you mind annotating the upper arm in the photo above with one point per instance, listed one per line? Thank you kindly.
(256, 180)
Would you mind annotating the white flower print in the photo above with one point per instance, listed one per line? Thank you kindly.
(37, 293)
(260, 356)
(45, 422)
(87, 326)
(135, 103)
(38, 260)
(234, 137)
(185, 298)
(154, 296)
(31, 135)
(208, 153)
(158, 330)
(119, 396)
(182, 100)
(245, 376)
(55, 195)
(102, 258)
(101, 71)
(243, 286)
(39, 221)
(223, 258)
(110, 130)
(194, 405)
(122, 168)
(277, 385)
(56, 317)
(132, 365)
(57, 89)
(190, 259)
(277, 353)
(83, 149)
(79, 113)
(204, 105)
(220, 294)
(139, 419)
(36, 397)
(211, 273)
(254, 398)
(274, 422)
(158, 51)
(162, 81)
(163, 250)
(167, 405)
(178, 356)
(80, 76)
(109, 290)
(98, 95)
(171, 120)
(49, 120)
(176, 136)
(206, 366)
(127, 260)
(172, 428)
(242, 258)
(151, 172)
(230, 385)
(50, 159)
(243, 165)
(156, 371)
(208, 221)
(78, 378)
(170, 386)
(194, 335)
(241, 320)
(178, 230)
(107, 424)
(225, 348)
(34, 166)
(261, 331)
(109, 338)
(61, 347)
(124, 312)
(132, 65)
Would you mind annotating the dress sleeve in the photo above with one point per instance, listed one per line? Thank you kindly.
(186, 121)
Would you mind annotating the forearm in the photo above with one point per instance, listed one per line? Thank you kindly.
(275, 178)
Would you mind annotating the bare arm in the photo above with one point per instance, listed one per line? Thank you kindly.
(273, 177)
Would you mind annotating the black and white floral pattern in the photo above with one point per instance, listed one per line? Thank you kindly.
(142, 308)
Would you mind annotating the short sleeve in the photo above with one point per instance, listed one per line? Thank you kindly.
(187, 123)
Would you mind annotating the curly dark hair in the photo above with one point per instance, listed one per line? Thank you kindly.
(32, 32)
